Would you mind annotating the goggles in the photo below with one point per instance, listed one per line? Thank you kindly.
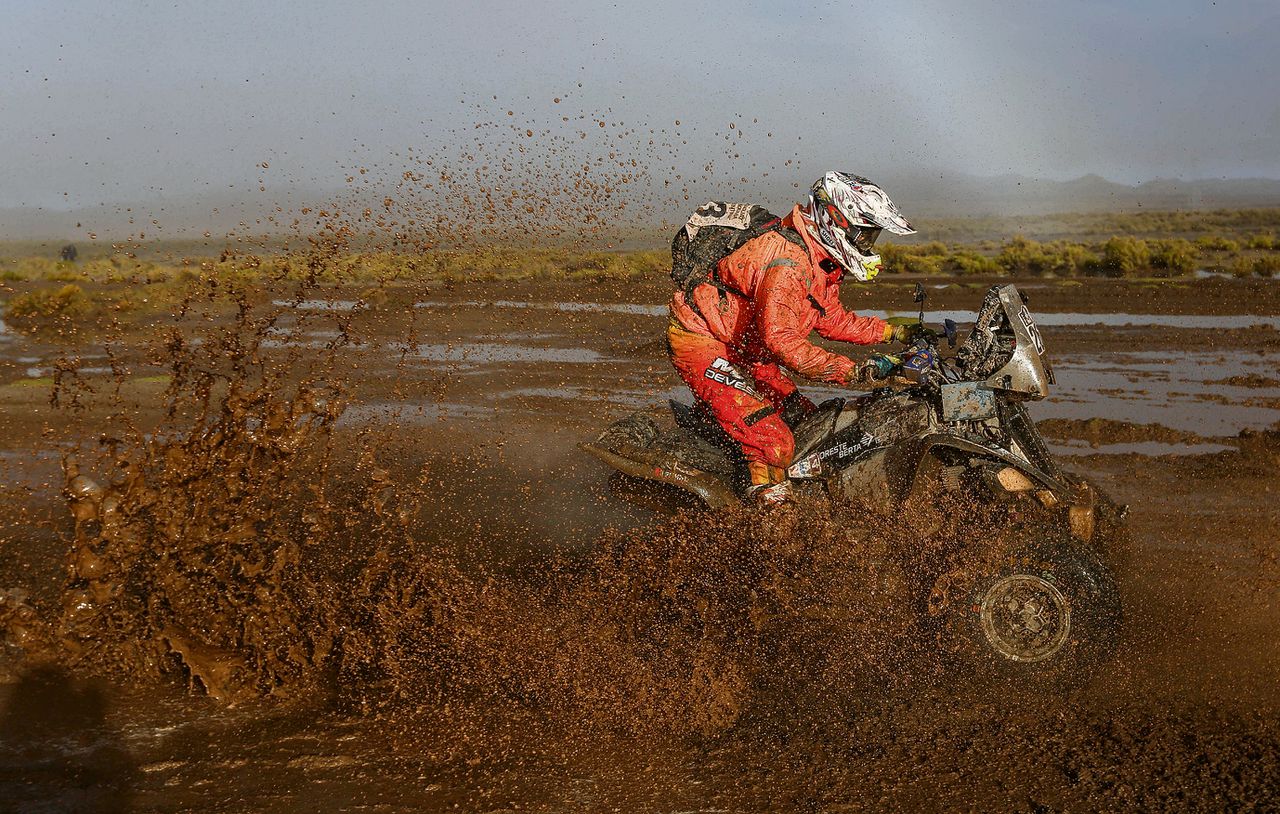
(860, 237)
(863, 239)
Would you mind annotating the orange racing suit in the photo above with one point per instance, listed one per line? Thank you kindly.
(730, 346)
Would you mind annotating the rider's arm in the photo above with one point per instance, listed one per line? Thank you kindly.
(782, 302)
(846, 326)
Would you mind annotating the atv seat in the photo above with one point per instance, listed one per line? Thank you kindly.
(807, 431)
(700, 424)
(817, 425)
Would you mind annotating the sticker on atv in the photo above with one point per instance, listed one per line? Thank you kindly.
(1027, 322)
(812, 465)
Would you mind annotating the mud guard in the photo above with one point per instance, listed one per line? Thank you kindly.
(902, 468)
(903, 463)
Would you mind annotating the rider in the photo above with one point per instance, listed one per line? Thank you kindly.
(730, 343)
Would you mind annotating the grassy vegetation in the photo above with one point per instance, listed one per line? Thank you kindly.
(1241, 242)
(481, 264)
(50, 295)
(497, 264)
(56, 297)
(48, 307)
(1117, 256)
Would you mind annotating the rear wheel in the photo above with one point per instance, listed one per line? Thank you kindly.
(1045, 610)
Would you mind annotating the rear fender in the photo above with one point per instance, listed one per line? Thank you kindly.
(707, 487)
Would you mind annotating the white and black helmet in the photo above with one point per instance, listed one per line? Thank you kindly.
(848, 213)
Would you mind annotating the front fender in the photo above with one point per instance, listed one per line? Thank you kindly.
(903, 463)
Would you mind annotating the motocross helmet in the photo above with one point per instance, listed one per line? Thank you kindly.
(848, 212)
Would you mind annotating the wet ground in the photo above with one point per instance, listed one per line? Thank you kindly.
(482, 393)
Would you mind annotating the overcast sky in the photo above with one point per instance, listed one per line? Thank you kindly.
(128, 100)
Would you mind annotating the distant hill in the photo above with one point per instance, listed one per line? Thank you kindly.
(182, 217)
(922, 195)
(959, 195)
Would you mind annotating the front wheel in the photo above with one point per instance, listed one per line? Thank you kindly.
(1043, 609)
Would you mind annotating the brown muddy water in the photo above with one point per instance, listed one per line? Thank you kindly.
(349, 558)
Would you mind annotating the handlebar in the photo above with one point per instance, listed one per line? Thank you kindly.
(922, 361)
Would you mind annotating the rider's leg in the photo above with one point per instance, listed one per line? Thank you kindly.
(730, 395)
(782, 392)
(771, 381)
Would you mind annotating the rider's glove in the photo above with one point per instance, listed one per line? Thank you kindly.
(875, 371)
(906, 330)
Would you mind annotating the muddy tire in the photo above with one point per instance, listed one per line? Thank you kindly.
(1047, 612)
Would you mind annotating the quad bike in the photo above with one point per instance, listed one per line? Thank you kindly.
(1027, 593)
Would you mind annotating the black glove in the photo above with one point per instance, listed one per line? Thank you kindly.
(795, 408)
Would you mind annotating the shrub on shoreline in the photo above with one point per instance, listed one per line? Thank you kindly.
(1117, 256)
(46, 308)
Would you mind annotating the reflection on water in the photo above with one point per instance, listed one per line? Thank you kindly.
(1148, 448)
(293, 338)
(317, 305)
(1116, 320)
(1179, 389)
(632, 309)
(501, 353)
(41, 372)
(1055, 319)
(384, 412)
(629, 397)
(30, 468)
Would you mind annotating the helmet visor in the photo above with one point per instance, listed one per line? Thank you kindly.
(864, 239)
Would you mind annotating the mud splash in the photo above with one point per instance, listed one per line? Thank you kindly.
(245, 550)
(210, 559)
(191, 541)
(249, 550)
(676, 630)
(196, 550)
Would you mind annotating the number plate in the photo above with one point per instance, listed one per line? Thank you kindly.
(967, 401)
(1030, 325)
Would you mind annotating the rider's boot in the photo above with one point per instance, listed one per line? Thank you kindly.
(768, 484)
(770, 493)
